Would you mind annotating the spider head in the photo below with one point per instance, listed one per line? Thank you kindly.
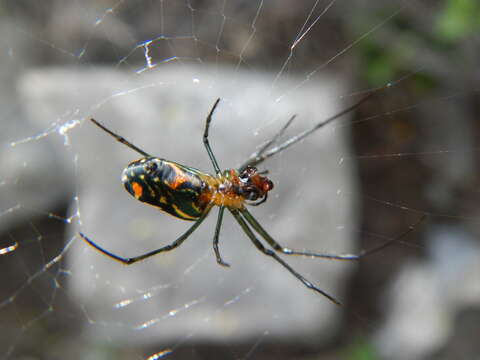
(253, 186)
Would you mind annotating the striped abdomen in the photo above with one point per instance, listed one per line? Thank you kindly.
(171, 187)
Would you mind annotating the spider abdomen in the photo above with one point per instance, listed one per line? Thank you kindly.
(169, 186)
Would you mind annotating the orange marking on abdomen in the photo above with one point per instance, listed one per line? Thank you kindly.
(137, 189)
(179, 179)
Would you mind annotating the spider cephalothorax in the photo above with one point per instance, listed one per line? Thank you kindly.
(253, 186)
(234, 189)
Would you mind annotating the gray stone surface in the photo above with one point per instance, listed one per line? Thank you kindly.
(426, 296)
(30, 179)
(184, 294)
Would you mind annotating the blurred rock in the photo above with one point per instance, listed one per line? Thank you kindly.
(31, 179)
(184, 295)
(427, 296)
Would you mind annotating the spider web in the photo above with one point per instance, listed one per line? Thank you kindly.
(150, 70)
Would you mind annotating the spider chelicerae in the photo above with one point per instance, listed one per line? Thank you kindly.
(189, 194)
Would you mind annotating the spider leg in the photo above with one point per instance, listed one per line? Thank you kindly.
(205, 138)
(260, 156)
(215, 237)
(272, 254)
(129, 261)
(120, 138)
(269, 143)
(349, 257)
(261, 201)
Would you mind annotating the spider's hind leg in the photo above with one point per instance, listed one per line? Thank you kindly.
(132, 260)
(268, 252)
(120, 139)
(347, 257)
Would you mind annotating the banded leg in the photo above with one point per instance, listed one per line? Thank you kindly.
(270, 253)
(205, 138)
(260, 156)
(349, 257)
(216, 236)
(132, 260)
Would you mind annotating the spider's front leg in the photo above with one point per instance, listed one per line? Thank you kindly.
(205, 138)
(265, 151)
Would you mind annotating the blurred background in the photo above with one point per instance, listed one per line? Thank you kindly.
(414, 152)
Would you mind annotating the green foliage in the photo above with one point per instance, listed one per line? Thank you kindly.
(392, 51)
(360, 349)
(459, 19)
(379, 64)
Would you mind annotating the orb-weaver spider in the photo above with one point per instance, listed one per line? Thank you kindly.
(189, 194)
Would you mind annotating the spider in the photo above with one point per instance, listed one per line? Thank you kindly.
(189, 194)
